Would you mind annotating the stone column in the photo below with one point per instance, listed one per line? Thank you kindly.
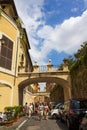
(49, 66)
(65, 66)
(36, 67)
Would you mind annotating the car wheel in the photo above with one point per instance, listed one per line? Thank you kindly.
(54, 116)
(61, 119)
(69, 125)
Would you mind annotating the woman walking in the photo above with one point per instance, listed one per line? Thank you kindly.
(40, 108)
(46, 111)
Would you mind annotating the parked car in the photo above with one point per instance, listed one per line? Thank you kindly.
(73, 112)
(55, 112)
(83, 125)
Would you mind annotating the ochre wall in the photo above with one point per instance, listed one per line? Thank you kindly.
(5, 92)
(7, 27)
(8, 84)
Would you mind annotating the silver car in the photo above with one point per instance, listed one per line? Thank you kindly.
(55, 112)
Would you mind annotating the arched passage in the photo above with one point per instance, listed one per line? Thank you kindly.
(64, 83)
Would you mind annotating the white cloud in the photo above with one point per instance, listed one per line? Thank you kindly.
(67, 36)
(30, 12)
(45, 32)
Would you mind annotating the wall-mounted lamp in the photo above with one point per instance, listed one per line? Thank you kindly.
(2, 41)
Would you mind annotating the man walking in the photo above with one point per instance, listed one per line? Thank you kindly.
(40, 108)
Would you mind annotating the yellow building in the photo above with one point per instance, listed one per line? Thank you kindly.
(35, 87)
(14, 54)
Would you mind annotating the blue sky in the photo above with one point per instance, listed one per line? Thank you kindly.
(59, 10)
(55, 28)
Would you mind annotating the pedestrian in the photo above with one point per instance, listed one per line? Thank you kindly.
(26, 109)
(46, 111)
(33, 107)
(30, 110)
(40, 110)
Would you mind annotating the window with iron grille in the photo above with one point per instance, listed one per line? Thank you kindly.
(6, 53)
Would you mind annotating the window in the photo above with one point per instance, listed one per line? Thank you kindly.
(6, 53)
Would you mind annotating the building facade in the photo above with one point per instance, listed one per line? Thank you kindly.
(14, 53)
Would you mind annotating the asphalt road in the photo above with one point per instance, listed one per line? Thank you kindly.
(34, 124)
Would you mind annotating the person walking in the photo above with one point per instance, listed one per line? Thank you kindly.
(40, 110)
(26, 109)
(30, 110)
(46, 111)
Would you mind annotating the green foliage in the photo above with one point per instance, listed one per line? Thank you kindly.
(14, 109)
(85, 59)
(17, 110)
(10, 118)
(22, 33)
(56, 88)
(82, 51)
(79, 59)
(8, 109)
(19, 23)
(70, 61)
(60, 67)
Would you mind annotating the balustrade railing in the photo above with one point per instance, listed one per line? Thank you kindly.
(44, 68)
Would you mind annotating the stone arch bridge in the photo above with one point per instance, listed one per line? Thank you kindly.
(61, 77)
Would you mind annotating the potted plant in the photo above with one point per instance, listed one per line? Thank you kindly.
(9, 121)
(17, 111)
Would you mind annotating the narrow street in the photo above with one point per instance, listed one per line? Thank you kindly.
(50, 124)
(34, 124)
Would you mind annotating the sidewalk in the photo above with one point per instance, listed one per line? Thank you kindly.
(15, 124)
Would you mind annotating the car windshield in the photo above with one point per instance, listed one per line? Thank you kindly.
(79, 104)
(58, 105)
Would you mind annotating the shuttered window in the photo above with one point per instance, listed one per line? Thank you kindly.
(6, 53)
